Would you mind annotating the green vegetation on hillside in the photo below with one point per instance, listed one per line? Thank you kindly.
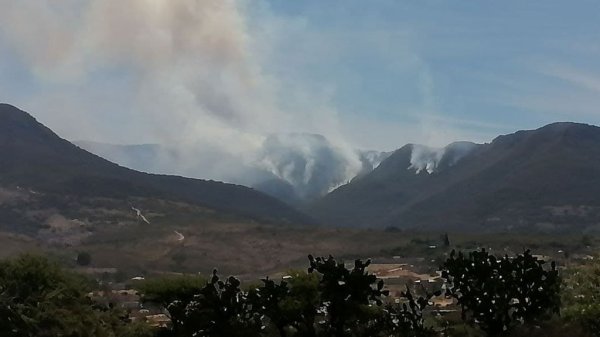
(581, 297)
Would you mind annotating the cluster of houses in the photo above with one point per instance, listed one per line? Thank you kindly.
(123, 296)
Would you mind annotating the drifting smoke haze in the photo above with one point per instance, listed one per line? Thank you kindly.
(184, 73)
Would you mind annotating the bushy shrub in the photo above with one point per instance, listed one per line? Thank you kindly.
(498, 294)
(329, 300)
(38, 298)
(221, 308)
(346, 294)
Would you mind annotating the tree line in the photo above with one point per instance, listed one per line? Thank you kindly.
(496, 296)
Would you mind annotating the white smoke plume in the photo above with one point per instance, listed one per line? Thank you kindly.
(424, 158)
(188, 62)
(189, 75)
(186, 73)
(293, 166)
(430, 159)
(309, 162)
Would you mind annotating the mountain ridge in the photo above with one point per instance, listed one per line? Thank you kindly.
(35, 157)
(294, 167)
(513, 181)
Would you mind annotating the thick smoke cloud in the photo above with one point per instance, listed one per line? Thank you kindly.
(189, 63)
(294, 167)
(308, 162)
(184, 73)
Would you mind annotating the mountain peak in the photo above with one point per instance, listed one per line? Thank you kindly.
(16, 125)
(572, 131)
(554, 132)
(6, 106)
(560, 126)
(12, 114)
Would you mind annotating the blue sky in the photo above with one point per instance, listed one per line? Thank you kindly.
(482, 67)
(371, 74)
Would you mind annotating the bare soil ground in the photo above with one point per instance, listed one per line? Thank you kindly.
(184, 238)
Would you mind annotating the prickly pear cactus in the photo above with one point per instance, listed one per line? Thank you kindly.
(497, 294)
(346, 293)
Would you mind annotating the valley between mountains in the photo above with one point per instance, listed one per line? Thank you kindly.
(60, 198)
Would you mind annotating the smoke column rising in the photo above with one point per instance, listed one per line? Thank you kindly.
(187, 73)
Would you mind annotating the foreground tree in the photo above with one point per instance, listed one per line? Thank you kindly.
(38, 298)
(498, 294)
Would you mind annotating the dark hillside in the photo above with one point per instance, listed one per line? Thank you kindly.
(546, 178)
(33, 157)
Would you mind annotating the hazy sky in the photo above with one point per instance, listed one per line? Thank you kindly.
(369, 74)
